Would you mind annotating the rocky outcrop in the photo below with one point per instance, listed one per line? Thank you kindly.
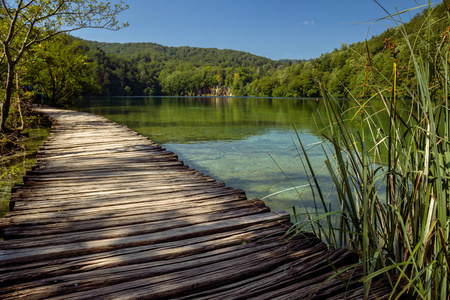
(214, 91)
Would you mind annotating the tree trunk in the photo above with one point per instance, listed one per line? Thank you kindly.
(54, 87)
(8, 93)
(19, 103)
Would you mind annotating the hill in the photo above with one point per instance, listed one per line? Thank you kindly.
(196, 56)
(152, 69)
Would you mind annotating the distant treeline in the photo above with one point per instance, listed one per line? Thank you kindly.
(70, 68)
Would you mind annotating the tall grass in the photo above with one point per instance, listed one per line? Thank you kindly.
(393, 184)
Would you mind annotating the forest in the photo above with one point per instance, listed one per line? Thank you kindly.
(69, 68)
(139, 69)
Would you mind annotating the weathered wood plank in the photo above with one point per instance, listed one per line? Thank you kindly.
(16, 251)
(113, 276)
(51, 143)
(137, 255)
(141, 198)
(38, 188)
(35, 187)
(139, 223)
(182, 172)
(4, 224)
(119, 160)
(119, 150)
(86, 190)
(122, 208)
(160, 167)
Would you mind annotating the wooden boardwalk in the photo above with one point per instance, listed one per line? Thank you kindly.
(108, 214)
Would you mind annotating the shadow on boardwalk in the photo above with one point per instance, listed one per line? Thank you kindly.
(109, 214)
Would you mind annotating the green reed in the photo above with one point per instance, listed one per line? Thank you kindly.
(393, 184)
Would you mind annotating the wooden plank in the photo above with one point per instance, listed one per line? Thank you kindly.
(152, 153)
(13, 251)
(86, 197)
(4, 224)
(86, 190)
(98, 175)
(76, 143)
(100, 144)
(54, 156)
(53, 215)
(117, 196)
(36, 187)
(113, 276)
(199, 220)
(163, 168)
(139, 224)
(123, 160)
(40, 198)
(183, 172)
(13, 273)
(121, 205)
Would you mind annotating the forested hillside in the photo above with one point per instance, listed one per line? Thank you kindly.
(152, 69)
(197, 56)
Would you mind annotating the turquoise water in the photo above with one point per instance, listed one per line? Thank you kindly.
(248, 143)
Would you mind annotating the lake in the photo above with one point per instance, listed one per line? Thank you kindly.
(248, 143)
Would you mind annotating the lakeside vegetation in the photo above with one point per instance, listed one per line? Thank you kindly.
(19, 155)
(394, 208)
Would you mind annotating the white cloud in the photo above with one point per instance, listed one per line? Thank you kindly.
(309, 22)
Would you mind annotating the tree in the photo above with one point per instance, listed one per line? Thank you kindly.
(26, 23)
(62, 67)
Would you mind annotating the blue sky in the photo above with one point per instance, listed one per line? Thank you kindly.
(277, 29)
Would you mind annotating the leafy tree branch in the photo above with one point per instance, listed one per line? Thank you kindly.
(27, 23)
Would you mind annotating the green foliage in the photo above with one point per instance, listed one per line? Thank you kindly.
(61, 67)
(152, 69)
(197, 57)
(25, 24)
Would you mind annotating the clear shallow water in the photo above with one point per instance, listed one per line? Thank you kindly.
(245, 142)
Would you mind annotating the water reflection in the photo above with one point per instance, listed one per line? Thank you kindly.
(206, 119)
